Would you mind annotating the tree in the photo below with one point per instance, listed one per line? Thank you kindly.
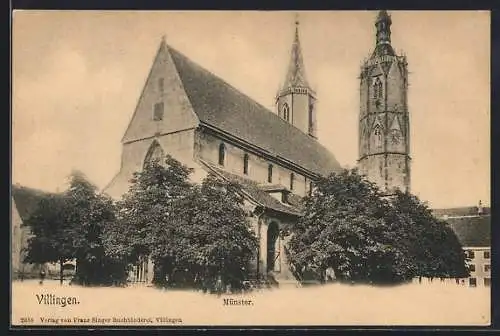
(351, 227)
(192, 233)
(89, 213)
(145, 225)
(344, 228)
(437, 251)
(214, 237)
(51, 240)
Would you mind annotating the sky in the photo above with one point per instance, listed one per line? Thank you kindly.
(77, 77)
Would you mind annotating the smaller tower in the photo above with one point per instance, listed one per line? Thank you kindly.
(296, 101)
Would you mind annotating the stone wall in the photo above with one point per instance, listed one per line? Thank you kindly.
(177, 144)
(383, 123)
(163, 85)
(207, 148)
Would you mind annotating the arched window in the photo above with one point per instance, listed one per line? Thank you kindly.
(245, 164)
(222, 154)
(311, 122)
(158, 111)
(311, 186)
(377, 89)
(286, 112)
(154, 154)
(270, 173)
(292, 177)
(377, 137)
(161, 85)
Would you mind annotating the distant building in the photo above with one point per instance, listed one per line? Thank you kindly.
(24, 201)
(472, 225)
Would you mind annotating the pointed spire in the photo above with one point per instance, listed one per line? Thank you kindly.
(383, 15)
(383, 37)
(383, 24)
(296, 74)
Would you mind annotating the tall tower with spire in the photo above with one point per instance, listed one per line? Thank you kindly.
(296, 100)
(384, 123)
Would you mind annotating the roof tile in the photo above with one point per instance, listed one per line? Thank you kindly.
(224, 107)
(27, 200)
(472, 231)
(258, 194)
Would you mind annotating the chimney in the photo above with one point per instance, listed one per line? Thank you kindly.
(480, 208)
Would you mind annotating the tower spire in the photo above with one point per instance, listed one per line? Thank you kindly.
(383, 35)
(296, 101)
(383, 24)
(296, 74)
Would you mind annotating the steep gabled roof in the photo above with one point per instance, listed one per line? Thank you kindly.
(222, 106)
(472, 231)
(26, 199)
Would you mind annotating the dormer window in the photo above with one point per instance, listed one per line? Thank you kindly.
(286, 112)
(158, 111)
(279, 193)
(284, 197)
(222, 154)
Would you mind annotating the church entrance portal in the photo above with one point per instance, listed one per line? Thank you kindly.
(272, 246)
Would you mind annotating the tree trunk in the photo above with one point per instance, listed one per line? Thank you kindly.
(61, 273)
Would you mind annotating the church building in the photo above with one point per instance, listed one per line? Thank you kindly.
(204, 122)
(198, 118)
(201, 120)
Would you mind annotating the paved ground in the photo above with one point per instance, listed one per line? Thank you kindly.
(430, 304)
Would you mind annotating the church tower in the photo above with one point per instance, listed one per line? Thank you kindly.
(384, 123)
(296, 101)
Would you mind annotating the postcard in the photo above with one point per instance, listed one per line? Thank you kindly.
(250, 168)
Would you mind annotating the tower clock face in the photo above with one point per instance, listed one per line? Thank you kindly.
(396, 136)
